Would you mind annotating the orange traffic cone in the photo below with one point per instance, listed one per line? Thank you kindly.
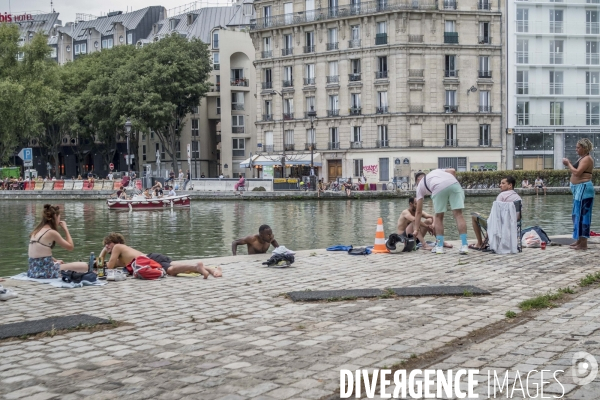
(380, 239)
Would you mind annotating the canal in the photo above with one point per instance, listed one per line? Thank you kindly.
(208, 227)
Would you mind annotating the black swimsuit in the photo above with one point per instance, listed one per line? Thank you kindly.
(40, 238)
(576, 165)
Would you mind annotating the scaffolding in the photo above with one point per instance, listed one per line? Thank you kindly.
(197, 5)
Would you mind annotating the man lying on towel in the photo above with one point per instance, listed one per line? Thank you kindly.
(121, 255)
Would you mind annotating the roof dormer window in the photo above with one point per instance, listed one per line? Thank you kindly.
(248, 9)
(173, 24)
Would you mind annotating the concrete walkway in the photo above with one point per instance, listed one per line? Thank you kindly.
(236, 337)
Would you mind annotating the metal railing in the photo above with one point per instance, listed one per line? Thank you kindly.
(307, 146)
(382, 143)
(288, 147)
(267, 85)
(592, 88)
(415, 143)
(287, 52)
(381, 38)
(522, 88)
(592, 28)
(333, 79)
(523, 26)
(485, 109)
(354, 43)
(267, 54)
(381, 75)
(239, 82)
(522, 118)
(287, 83)
(484, 39)
(557, 88)
(450, 108)
(485, 142)
(269, 148)
(451, 73)
(592, 58)
(288, 116)
(592, 119)
(451, 143)
(449, 4)
(267, 117)
(306, 116)
(309, 49)
(381, 110)
(354, 77)
(309, 81)
(556, 26)
(485, 74)
(415, 38)
(322, 14)
(556, 58)
(522, 57)
(415, 73)
(332, 46)
(333, 113)
(355, 110)
(415, 109)
(451, 37)
(216, 67)
(237, 129)
(333, 145)
(356, 145)
(484, 5)
(237, 106)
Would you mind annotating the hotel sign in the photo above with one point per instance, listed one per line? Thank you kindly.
(6, 17)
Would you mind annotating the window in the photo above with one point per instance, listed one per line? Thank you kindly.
(215, 39)
(151, 135)
(335, 138)
(484, 135)
(592, 113)
(310, 74)
(450, 26)
(451, 105)
(355, 69)
(358, 167)
(288, 139)
(216, 60)
(591, 22)
(451, 139)
(450, 66)
(76, 49)
(354, 7)
(556, 51)
(556, 82)
(237, 123)
(333, 76)
(237, 101)
(381, 33)
(354, 36)
(522, 82)
(382, 27)
(53, 52)
(592, 83)
(173, 24)
(218, 105)
(382, 103)
(268, 110)
(288, 76)
(83, 47)
(310, 42)
(195, 110)
(556, 21)
(310, 104)
(522, 113)
(484, 67)
(522, 51)
(267, 43)
(457, 163)
(237, 76)
(288, 12)
(144, 152)
(311, 138)
(239, 147)
(288, 108)
(107, 43)
(382, 136)
(522, 20)
(484, 33)
(484, 101)
(268, 75)
(382, 68)
(592, 57)
(334, 104)
(356, 136)
(557, 116)
(332, 35)
(287, 44)
(450, 34)
(309, 8)
(195, 127)
(130, 38)
(269, 141)
(267, 14)
(195, 149)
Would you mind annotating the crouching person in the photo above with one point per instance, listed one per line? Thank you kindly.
(122, 255)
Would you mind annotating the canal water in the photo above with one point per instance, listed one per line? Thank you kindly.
(208, 227)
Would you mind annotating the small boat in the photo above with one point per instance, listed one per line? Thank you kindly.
(141, 203)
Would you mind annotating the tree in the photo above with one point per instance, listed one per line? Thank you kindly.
(162, 84)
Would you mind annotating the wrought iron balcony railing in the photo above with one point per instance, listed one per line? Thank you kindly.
(354, 77)
(356, 145)
(267, 117)
(332, 46)
(354, 43)
(381, 75)
(382, 143)
(333, 145)
(308, 146)
(287, 52)
(237, 106)
(267, 85)
(451, 37)
(333, 79)
(239, 82)
(450, 108)
(267, 54)
(485, 74)
(451, 143)
(451, 73)
(333, 113)
(355, 110)
(309, 49)
(287, 83)
(380, 38)
(288, 147)
(485, 142)
(288, 116)
(484, 39)
(485, 109)
(309, 81)
(381, 110)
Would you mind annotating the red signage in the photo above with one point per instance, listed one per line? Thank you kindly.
(111, 166)
(6, 17)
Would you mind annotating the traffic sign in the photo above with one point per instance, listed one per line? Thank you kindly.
(189, 150)
(111, 166)
(28, 163)
(26, 154)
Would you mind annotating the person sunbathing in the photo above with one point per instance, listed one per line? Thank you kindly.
(122, 255)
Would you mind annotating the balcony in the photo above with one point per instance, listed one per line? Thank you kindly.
(306, 116)
(382, 143)
(451, 143)
(485, 109)
(415, 143)
(381, 110)
(354, 77)
(451, 73)
(309, 49)
(333, 145)
(381, 75)
(485, 142)
(267, 54)
(354, 110)
(332, 46)
(415, 109)
(556, 27)
(484, 39)
(592, 28)
(288, 116)
(556, 58)
(239, 82)
(356, 145)
(592, 58)
(288, 147)
(287, 83)
(287, 52)
(267, 85)
(450, 4)
(333, 113)
(267, 117)
(237, 106)
(451, 37)
(269, 148)
(451, 108)
(415, 73)
(333, 79)
(237, 129)
(308, 146)
(309, 81)
(216, 67)
(380, 38)
(485, 74)
(415, 38)
(354, 43)
(484, 5)
(333, 12)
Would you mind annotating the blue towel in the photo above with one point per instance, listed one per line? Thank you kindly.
(583, 202)
(339, 247)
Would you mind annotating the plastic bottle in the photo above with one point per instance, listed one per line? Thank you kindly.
(91, 263)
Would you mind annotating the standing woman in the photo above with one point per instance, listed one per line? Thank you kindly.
(41, 242)
(583, 193)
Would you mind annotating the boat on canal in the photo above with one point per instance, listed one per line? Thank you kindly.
(139, 202)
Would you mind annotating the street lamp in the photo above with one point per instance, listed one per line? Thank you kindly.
(127, 132)
(312, 114)
(282, 135)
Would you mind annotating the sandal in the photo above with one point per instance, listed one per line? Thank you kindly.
(475, 247)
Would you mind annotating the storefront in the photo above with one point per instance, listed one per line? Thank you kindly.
(296, 165)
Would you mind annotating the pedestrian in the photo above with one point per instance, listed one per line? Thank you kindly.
(188, 179)
(443, 187)
(539, 184)
(180, 177)
(202, 175)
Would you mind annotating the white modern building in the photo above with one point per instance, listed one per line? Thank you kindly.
(553, 80)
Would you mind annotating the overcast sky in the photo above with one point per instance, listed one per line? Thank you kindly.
(68, 8)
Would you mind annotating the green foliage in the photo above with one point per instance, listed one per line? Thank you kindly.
(259, 189)
(590, 279)
(542, 301)
(510, 314)
(491, 179)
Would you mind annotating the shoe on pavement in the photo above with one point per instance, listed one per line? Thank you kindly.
(464, 249)
(6, 294)
(438, 250)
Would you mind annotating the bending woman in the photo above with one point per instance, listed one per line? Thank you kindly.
(583, 193)
(41, 242)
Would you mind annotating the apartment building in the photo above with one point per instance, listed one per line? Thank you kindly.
(553, 81)
(221, 132)
(30, 24)
(398, 85)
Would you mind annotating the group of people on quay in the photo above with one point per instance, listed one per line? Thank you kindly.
(440, 184)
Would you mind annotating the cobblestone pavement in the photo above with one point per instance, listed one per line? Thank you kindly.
(236, 338)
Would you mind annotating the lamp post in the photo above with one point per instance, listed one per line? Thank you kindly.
(312, 114)
(127, 132)
(282, 135)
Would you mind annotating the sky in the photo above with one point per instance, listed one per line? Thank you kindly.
(68, 8)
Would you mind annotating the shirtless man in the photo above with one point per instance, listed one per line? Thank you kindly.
(406, 224)
(257, 244)
(121, 255)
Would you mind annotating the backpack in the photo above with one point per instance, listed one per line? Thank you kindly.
(77, 277)
(360, 251)
(143, 267)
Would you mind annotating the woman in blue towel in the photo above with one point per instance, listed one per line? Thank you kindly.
(41, 242)
(583, 193)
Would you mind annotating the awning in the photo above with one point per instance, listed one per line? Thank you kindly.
(275, 159)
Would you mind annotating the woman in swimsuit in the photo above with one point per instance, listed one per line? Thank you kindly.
(583, 193)
(41, 242)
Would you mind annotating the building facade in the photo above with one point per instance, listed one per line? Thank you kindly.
(398, 86)
(553, 81)
(221, 132)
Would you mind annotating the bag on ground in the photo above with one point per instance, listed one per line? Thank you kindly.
(77, 277)
(143, 267)
(531, 239)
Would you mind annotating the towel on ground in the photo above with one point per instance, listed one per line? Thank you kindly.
(283, 250)
(339, 247)
(502, 228)
(57, 282)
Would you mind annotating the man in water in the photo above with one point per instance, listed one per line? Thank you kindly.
(121, 255)
(257, 244)
(406, 224)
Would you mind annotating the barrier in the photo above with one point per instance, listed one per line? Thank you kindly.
(48, 185)
(138, 184)
(39, 185)
(227, 185)
(87, 185)
(68, 185)
(78, 185)
(373, 186)
(29, 186)
(117, 184)
(107, 185)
